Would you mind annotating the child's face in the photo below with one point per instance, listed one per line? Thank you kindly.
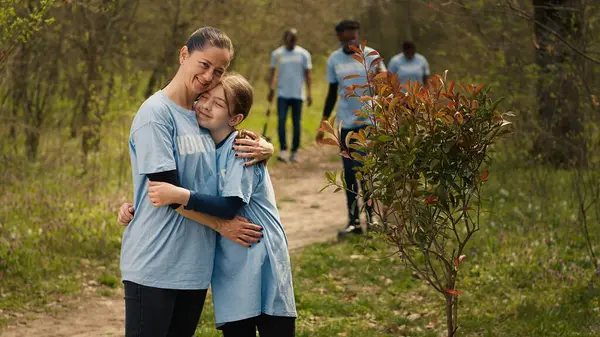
(212, 111)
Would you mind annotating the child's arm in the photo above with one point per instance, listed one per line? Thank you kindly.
(215, 212)
(161, 194)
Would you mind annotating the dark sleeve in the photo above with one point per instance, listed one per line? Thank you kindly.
(170, 177)
(222, 207)
(330, 100)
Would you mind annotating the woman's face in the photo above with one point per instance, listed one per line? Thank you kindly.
(203, 69)
(212, 110)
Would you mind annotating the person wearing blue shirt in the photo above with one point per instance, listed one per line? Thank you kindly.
(166, 259)
(410, 65)
(252, 288)
(339, 65)
(293, 65)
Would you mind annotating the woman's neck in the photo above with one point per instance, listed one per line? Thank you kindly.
(219, 135)
(179, 93)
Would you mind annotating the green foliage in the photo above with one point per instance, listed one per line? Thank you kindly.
(421, 165)
(57, 230)
(19, 21)
(108, 280)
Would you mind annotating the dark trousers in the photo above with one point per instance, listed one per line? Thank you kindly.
(154, 312)
(268, 326)
(350, 167)
(283, 105)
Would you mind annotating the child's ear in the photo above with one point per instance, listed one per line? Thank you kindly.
(235, 120)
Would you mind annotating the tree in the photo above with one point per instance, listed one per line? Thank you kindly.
(18, 21)
(100, 39)
(557, 87)
(422, 159)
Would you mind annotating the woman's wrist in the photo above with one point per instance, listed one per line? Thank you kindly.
(269, 149)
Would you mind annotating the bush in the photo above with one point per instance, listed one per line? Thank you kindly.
(422, 163)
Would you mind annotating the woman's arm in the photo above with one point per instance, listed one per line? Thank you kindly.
(238, 229)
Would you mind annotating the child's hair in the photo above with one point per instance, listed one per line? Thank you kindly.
(238, 94)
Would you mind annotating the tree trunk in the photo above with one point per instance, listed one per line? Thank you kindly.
(559, 143)
(32, 142)
(450, 315)
(408, 35)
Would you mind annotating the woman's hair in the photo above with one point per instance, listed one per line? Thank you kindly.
(238, 94)
(209, 35)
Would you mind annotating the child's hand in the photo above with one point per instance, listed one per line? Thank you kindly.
(162, 194)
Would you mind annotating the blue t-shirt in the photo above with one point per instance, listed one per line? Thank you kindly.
(413, 70)
(340, 65)
(292, 65)
(249, 281)
(161, 248)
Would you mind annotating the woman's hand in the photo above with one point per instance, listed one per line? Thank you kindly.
(240, 231)
(125, 214)
(162, 194)
(250, 145)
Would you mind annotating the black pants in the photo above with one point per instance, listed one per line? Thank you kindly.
(268, 326)
(154, 312)
(350, 167)
(283, 105)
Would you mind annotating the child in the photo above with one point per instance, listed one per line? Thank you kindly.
(252, 287)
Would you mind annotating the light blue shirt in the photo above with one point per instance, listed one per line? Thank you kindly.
(292, 65)
(413, 70)
(250, 281)
(340, 65)
(161, 248)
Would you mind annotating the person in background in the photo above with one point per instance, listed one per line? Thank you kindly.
(339, 65)
(292, 64)
(409, 65)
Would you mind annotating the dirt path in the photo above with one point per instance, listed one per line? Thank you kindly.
(308, 216)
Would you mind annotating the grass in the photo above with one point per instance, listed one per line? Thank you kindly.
(343, 290)
(109, 280)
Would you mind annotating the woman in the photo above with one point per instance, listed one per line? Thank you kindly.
(166, 259)
(252, 288)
